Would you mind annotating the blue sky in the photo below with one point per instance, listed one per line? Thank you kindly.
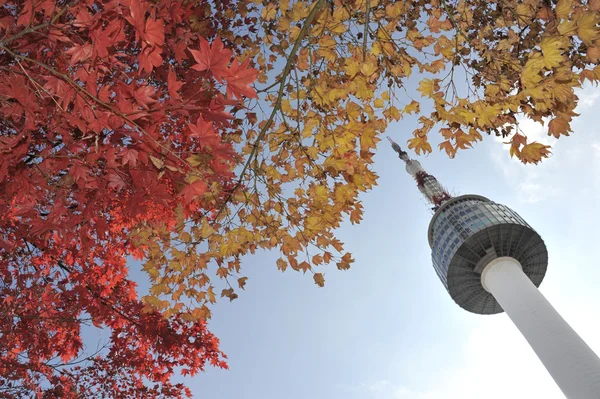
(387, 329)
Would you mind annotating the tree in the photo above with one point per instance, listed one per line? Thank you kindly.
(114, 115)
(331, 76)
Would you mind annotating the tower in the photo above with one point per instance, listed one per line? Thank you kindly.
(490, 260)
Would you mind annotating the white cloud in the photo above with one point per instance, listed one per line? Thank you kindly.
(588, 96)
(384, 389)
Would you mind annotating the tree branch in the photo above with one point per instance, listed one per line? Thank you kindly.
(286, 71)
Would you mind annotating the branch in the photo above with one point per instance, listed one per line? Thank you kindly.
(35, 28)
(269, 122)
(367, 16)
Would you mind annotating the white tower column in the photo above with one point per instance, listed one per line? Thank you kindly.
(568, 359)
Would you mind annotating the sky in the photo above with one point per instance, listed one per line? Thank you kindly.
(387, 329)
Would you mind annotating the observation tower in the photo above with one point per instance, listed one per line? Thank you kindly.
(490, 260)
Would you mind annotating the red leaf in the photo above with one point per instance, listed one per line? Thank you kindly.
(154, 33)
(138, 14)
(193, 190)
(80, 172)
(129, 156)
(205, 132)
(214, 58)
(115, 181)
(26, 14)
(143, 96)
(173, 85)
(239, 80)
(150, 58)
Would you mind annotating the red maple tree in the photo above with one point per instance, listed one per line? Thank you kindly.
(102, 103)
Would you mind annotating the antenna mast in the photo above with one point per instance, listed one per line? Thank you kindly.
(428, 185)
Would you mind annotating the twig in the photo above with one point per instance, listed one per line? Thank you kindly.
(366, 32)
(269, 122)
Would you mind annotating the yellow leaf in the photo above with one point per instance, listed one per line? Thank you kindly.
(419, 144)
(368, 68)
(211, 295)
(286, 107)
(587, 29)
(564, 8)
(352, 67)
(207, 230)
(534, 152)
(393, 113)
(525, 13)
(448, 147)
(530, 75)
(567, 28)
(428, 86)
(552, 48)
(379, 103)
(157, 162)
(319, 279)
(413, 107)
(321, 196)
(269, 12)
(463, 141)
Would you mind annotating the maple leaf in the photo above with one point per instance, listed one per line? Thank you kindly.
(116, 182)
(419, 144)
(173, 85)
(149, 58)
(534, 152)
(428, 86)
(239, 78)
(558, 126)
(80, 172)
(154, 32)
(130, 156)
(448, 147)
(143, 96)
(413, 107)
(204, 131)
(214, 58)
(587, 28)
(26, 14)
(319, 279)
(193, 190)
(79, 53)
(552, 48)
(137, 16)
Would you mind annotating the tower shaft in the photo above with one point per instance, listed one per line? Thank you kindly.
(568, 359)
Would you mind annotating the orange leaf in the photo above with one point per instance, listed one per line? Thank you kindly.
(558, 126)
(319, 279)
(448, 147)
(534, 152)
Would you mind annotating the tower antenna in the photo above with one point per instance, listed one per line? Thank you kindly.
(427, 184)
